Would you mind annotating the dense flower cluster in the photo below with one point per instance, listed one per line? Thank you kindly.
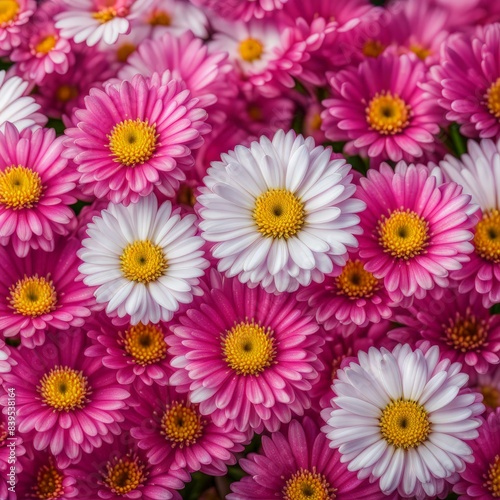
(249, 249)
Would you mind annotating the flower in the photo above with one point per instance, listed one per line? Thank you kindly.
(380, 110)
(136, 137)
(280, 212)
(67, 401)
(296, 463)
(403, 417)
(36, 189)
(488, 384)
(244, 10)
(41, 291)
(248, 358)
(15, 14)
(145, 260)
(14, 445)
(415, 230)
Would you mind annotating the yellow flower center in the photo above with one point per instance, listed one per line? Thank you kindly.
(355, 282)
(145, 343)
(388, 114)
(493, 98)
(404, 234)
(33, 296)
(493, 478)
(316, 121)
(181, 424)
(105, 15)
(278, 213)
(64, 389)
(255, 112)
(185, 195)
(143, 262)
(249, 348)
(307, 485)
(124, 475)
(8, 10)
(373, 48)
(250, 49)
(124, 51)
(160, 18)
(404, 424)
(466, 333)
(46, 44)
(421, 52)
(20, 187)
(66, 92)
(133, 142)
(491, 396)
(487, 237)
(49, 483)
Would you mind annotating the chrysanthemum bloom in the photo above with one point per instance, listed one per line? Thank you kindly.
(134, 352)
(136, 137)
(488, 384)
(68, 403)
(297, 463)
(6, 361)
(481, 478)
(280, 213)
(247, 357)
(16, 106)
(171, 430)
(415, 230)
(144, 259)
(14, 14)
(42, 291)
(36, 189)
(403, 417)
(9, 444)
(381, 111)
(91, 21)
(244, 10)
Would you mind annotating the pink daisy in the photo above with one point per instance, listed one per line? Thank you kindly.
(42, 291)
(244, 10)
(171, 430)
(247, 357)
(379, 108)
(11, 447)
(488, 384)
(15, 14)
(66, 402)
(136, 137)
(415, 232)
(298, 463)
(134, 352)
(36, 189)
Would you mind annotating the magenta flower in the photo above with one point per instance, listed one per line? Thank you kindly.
(244, 9)
(488, 384)
(15, 14)
(8, 446)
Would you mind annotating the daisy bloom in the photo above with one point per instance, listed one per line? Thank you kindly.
(145, 260)
(36, 189)
(171, 430)
(488, 384)
(280, 213)
(402, 418)
(244, 10)
(415, 230)
(135, 137)
(15, 14)
(381, 111)
(248, 358)
(297, 463)
(41, 291)
(66, 402)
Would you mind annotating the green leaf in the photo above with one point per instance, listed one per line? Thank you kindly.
(57, 125)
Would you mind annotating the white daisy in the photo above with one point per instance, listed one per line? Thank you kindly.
(16, 106)
(280, 213)
(402, 417)
(144, 259)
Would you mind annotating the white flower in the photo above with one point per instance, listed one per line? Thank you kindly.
(280, 213)
(144, 259)
(402, 417)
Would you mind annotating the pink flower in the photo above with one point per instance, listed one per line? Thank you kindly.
(15, 14)
(247, 357)
(488, 384)
(41, 291)
(6, 447)
(381, 111)
(243, 10)
(415, 232)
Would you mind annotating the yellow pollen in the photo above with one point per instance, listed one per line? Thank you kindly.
(249, 348)
(20, 187)
(355, 282)
(66, 92)
(404, 424)
(487, 237)
(160, 18)
(33, 296)
(45, 45)
(105, 15)
(64, 389)
(133, 142)
(466, 333)
(124, 51)
(49, 483)
(421, 52)
(124, 475)
(493, 478)
(143, 262)
(493, 98)
(8, 11)
(373, 48)
(316, 121)
(185, 195)
(278, 213)
(145, 343)
(182, 425)
(307, 485)
(388, 114)
(491, 396)
(404, 234)
(255, 113)
(250, 49)
(3, 433)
